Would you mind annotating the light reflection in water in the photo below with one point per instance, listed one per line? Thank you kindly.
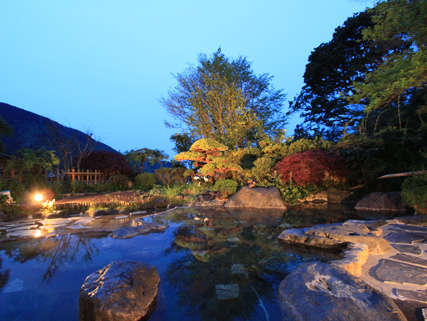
(200, 250)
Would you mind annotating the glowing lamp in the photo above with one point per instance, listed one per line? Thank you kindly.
(38, 197)
(37, 233)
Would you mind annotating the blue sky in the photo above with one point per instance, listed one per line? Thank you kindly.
(104, 65)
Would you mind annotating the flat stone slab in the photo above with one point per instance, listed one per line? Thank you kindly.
(407, 227)
(388, 254)
(23, 234)
(23, 228)
(402, 236)
(407, 248)
(420, 295)
(409, 259)
(399, 272)
(322, 292)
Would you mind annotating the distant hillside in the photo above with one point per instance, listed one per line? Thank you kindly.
(34, 131)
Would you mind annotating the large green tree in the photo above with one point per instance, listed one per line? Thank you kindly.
(330, 74)
(28, 165)
(402, 73)
(225, 100)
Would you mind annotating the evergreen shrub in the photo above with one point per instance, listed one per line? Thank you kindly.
(145, 181)
(227, 187)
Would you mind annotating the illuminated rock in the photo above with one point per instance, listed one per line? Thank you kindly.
(257, 197)
(123, 291)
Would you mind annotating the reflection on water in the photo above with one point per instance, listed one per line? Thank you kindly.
(214, 265)
(54, 251)
(4, 276)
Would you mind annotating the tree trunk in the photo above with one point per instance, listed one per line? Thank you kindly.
(398, 113)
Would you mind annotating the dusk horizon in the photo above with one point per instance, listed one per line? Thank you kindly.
(105, 67)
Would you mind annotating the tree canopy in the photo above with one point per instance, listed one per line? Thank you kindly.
(31, 163)
(330, 74)
(400, 70)
(137, 158)
(182, 142)
(208, 156)
(225, 100)
(108, 162)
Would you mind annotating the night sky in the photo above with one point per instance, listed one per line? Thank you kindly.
(104, 65)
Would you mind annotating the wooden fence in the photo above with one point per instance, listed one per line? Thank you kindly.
(85, 176)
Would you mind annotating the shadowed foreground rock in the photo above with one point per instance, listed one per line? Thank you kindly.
(322, 292)
(257, 197)
(389, 255)
(119, 291)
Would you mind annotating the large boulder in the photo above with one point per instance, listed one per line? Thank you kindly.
(319, 291)
(381, 202)
(123, 291)
(257, 197)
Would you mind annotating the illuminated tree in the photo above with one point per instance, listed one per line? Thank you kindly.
(208, 156)
(223, 99)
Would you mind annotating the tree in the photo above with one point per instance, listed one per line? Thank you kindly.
(330, 74)
(72, 148)
(208, 156)
(224, 100)
(137, 158)
(29, 165)
(201, 151)
(400, 70)
(83, 148)
(314, 167)
(108, 162)
(182, 142)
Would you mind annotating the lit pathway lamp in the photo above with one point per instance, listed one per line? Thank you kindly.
(38, 198)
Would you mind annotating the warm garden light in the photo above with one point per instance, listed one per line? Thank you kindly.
(37, 233)
(38, 197)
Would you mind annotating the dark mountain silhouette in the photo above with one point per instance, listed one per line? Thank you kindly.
(34, 131)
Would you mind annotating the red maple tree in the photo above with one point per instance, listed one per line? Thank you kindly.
(312, 167)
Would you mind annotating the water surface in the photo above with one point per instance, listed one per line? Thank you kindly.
(213, 265)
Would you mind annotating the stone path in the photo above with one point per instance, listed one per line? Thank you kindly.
(406, 271)
(389, 255)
